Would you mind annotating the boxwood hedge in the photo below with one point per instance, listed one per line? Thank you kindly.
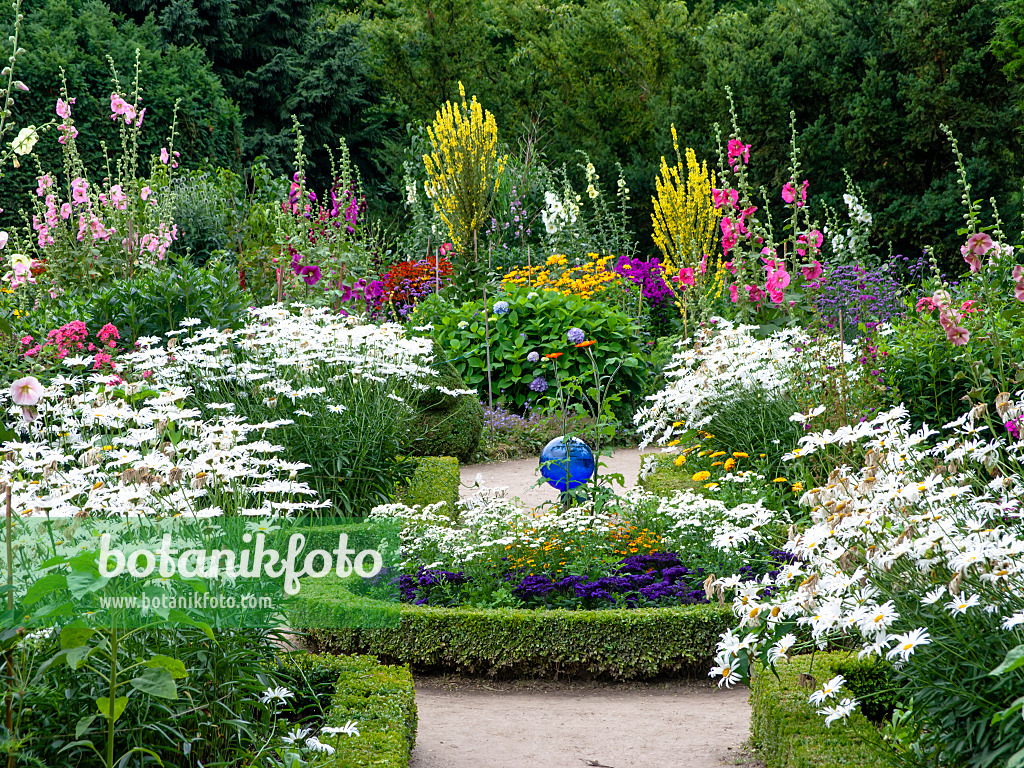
(789, 732)
(380, 699)
(621, 644)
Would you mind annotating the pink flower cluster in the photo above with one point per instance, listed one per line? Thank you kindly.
(74, 338)
(66, 129)
(119, 108)
(734, 226)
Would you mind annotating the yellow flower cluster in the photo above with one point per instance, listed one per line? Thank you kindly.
(464, 169)
(684, 215)
(584, 280)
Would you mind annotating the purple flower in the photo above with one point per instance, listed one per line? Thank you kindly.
(501, 308)
(310, 273)
(576, 336)
(533, 357)
(539, 384)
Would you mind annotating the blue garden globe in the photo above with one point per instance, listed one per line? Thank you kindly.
(567, 467)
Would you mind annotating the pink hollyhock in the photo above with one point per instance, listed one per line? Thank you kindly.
(946, 320)
(775, 296)
(44, 182)
(686, 276)
(79, 189)
(146, 192)
(63, 109)
(813, 272)
(756, 294)
(959, 336)
(815, 238)
(26, 391)
(164, 155)
(65, 210)
(777, 280)
(1018, 290)
(973, 262)
(66, 132)
(703, 264)
(738, 151)
(729, 238)
(729, 266)
(734, 294)
(979, 244)
(724, 197)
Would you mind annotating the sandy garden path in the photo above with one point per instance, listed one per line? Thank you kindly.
(543, 724)
(520, 474)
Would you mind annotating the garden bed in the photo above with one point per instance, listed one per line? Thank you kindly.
(789, 733)
(620, 644)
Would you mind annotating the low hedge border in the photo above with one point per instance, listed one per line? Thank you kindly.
(620, 644)
(790, 733)
(379, 698)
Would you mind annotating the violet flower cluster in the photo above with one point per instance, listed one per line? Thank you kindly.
(860, 295)
(658, 578)
(648, 275)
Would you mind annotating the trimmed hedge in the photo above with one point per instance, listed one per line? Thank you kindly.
(380, 699)
(436, 479)
(447, 425)
(621, 644)
(790, 733)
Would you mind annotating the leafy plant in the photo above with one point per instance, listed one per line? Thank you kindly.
(535, 324)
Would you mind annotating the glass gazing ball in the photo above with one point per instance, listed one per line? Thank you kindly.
(567, 467)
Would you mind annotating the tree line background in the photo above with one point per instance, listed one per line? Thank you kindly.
(870, 82)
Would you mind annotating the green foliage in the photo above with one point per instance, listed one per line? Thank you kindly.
(538, 321)
(78, 35)
(380, 699)
(152, 303)
(872, 682)
(352, 452)
(617, 644)
(753, 421)
(788, 732)
(927, 374)
(447, 425)
(435, 479)
(277, 59)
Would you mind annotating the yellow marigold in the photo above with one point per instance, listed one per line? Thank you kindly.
(680, 460)
(729, 464)
(739, 455)
(716, 454)
(701, 476)
(780, 480)
(711, 486)
(797, 487)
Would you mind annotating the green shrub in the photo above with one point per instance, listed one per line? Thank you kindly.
(152, 303)
(380, 699)
(435, 479)
(873, 683)
(619, 644)
(789, 732)
(447, 425)
(538, 321)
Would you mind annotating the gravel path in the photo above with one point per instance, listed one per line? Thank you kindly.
(558, 725)
(518, 476)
